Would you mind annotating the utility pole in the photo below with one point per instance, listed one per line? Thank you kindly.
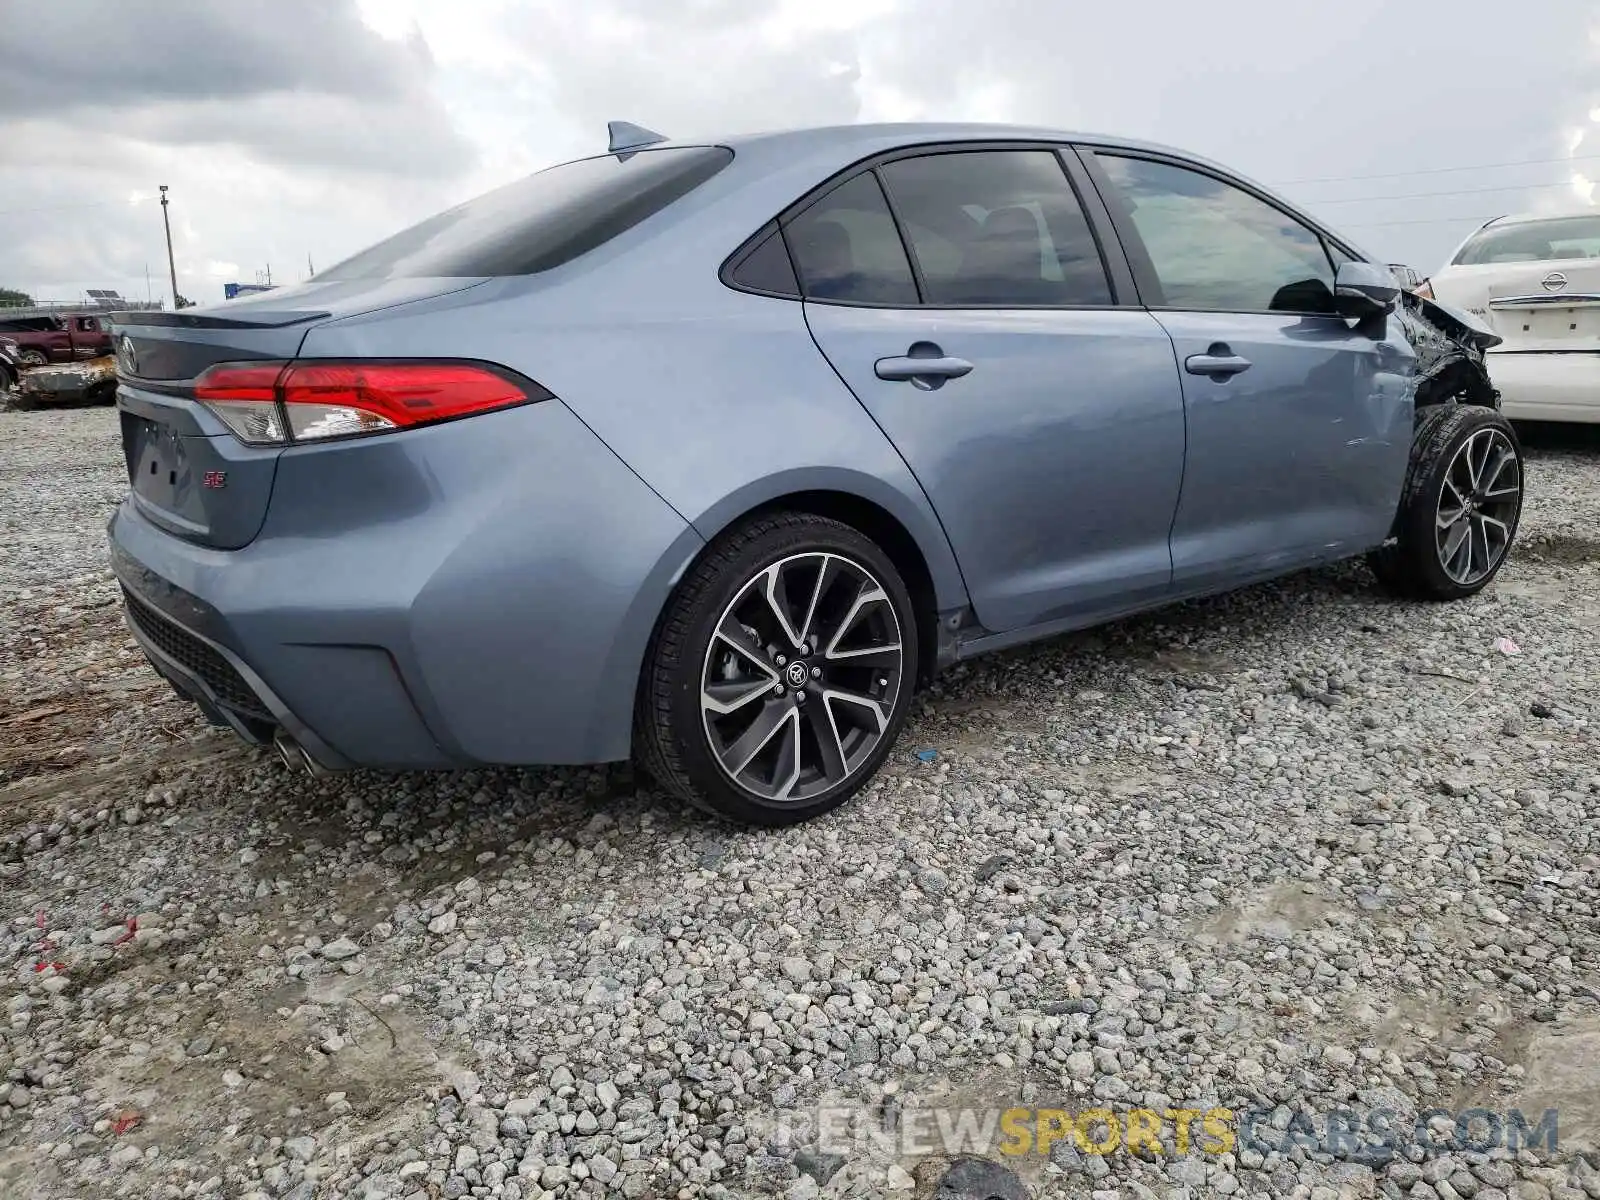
(172, 267)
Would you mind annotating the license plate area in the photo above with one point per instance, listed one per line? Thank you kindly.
(1576, 325)
(207, 488)
(158, 464)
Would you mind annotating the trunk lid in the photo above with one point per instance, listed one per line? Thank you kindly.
(1549, 306)
(186, 472)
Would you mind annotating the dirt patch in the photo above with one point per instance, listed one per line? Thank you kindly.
(78, 691)
(1279, 912)
(1565, 548)
(1560, 1070)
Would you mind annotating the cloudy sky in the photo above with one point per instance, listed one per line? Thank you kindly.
(302, 129)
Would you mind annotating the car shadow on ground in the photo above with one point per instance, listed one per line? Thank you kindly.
(440, 827)
(1559, 435)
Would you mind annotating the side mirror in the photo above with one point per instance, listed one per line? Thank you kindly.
(1362, 290)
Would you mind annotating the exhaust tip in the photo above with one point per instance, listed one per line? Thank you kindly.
(295, 756)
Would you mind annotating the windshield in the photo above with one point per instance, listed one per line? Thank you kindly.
(1534, 241)
(539, 222)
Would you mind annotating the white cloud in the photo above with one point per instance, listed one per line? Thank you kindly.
(317, 126)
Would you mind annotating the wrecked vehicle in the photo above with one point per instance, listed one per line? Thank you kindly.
(59, 385)
(710, 453)
(42, 340)
(10, 364)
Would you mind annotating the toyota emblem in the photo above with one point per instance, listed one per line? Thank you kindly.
(797, 673)
(1553, 282)
(127, 356)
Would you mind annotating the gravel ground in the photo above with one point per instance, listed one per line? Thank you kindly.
(1297, 848)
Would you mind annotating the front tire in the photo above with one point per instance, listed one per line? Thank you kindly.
(781, 672)
(33, 358)
(1460, 507)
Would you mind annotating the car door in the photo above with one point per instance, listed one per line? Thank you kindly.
(85, 336)
(1299, 424)
(1043, 420)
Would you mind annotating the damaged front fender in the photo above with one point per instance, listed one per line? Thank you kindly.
(1450, 347)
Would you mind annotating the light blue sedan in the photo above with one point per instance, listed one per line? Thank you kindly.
(707, 453)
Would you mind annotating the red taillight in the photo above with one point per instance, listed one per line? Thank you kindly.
(245, 397)
(1425, 289)
(239, 381)
(337, 399)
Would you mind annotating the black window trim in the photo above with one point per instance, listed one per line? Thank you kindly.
(918, 280)
(1119, 276)
(1145, 281)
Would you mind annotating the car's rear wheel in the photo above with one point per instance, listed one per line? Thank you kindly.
(33, 358)
(781, 672)
(1460, 508)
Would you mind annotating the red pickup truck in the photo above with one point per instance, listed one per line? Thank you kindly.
(58, 339)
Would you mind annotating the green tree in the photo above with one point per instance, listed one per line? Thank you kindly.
(11, 298)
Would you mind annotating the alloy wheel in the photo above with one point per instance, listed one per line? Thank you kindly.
(1478, 504)
(801, 676)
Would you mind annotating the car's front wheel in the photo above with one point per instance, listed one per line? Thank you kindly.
(781, 672)
(1460, 508)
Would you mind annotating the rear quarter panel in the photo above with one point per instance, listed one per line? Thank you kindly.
(716, 399)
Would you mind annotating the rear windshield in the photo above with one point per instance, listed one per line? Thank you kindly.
(542, 221)
(1534, 241)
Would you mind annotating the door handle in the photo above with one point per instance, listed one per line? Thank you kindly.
(1219, 362)
(925, 365)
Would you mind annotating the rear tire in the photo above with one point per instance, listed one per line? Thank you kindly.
(1459, 509)
(33, 358)
(781, 672)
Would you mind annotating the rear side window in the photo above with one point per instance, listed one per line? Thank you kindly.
(1217, 248)
(767, 269)
(1559, 239)
(846, 248)
(540, 222)
(997, 228)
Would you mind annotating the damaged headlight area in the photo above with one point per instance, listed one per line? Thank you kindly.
(1450, 348)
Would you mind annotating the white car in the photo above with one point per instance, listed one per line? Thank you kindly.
(1536, 281)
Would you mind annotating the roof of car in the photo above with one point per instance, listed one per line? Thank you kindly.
(849, 142)
(867, 135)
(1535, 218)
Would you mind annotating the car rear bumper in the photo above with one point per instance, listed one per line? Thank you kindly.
(480, 592)
(1548, 387)
(226, 689)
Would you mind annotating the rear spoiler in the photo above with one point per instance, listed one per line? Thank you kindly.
(268, 319)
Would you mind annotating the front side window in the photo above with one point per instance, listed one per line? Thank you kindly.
(846, 249)
(997, 228)
(1215, 247)
(1555, 240)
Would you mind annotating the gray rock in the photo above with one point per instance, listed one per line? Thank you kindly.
(554, 1176)
(340, 949)
(444, 923)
